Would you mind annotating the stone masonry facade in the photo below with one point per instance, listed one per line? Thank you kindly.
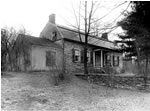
(69, 64)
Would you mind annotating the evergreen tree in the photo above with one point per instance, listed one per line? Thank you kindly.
(136, 41)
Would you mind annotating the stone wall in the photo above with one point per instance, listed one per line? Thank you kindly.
(118, 81)
(78, 66)
(69, 64)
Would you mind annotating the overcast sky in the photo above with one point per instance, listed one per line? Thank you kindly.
(33, 14)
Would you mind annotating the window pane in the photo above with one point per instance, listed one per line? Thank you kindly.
(76, 58)
(77, 55)
(108, 60)
(88, 56)
(50, 58)
(76, 52)
(54, 36)
(116, 60)
(27, 59)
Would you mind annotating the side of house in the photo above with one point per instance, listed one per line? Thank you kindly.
(60, 47)
(97, 58)
(101, 52)
(38, 54)
(46, 58)
(74, 56)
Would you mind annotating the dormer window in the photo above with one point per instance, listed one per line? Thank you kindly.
(54, 36)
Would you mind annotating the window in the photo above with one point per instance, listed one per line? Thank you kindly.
(116, 60)
(88, 57)
(27, 61)
(76, 55)
(54, 36)
(50, 58)
(108, 60)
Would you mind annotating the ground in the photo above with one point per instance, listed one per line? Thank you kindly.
(36, 92)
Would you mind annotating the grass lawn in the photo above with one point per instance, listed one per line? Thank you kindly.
(36, 92)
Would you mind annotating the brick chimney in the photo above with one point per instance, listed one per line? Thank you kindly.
(52, 18)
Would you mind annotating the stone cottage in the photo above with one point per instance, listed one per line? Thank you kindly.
(64, 46)
(101, 52)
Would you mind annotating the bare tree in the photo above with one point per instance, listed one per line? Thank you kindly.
(88, 23)
(86, 19)
(8, 41)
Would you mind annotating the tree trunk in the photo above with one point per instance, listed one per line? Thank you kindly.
(138, 58)
(86, 41)
(138, 63)
(10, 61)
(3, 61)
(85, 59)
(146, 73)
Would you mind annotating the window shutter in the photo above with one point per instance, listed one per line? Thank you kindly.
(73, 55)
(118, 61)
(91, 57)
(82, 59)
(113, 60)
(110, 60)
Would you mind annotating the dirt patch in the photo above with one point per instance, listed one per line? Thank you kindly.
(6, 75)
(35, 92)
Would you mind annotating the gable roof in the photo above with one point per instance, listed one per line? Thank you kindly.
(93, 40)
(70, 34)
(48, 29)
(31, 40)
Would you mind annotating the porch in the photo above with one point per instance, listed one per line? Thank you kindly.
(106, 58)
(102, 59)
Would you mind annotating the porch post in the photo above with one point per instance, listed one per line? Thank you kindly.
(93, 58)
(101, 58)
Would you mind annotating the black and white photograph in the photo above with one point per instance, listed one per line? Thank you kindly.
(72, 55)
